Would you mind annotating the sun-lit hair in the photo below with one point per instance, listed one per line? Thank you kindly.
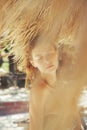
(22, 21)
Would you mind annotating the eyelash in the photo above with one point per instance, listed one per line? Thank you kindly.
(51, 53)
(38, 58)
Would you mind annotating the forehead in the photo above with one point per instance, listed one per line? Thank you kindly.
(42, 48)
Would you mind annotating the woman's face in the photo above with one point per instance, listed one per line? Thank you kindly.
(45, 58)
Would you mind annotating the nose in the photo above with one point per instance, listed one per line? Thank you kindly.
(47, 60)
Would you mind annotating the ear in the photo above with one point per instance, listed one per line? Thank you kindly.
(32, 62)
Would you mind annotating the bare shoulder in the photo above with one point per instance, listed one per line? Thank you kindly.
(40, 88)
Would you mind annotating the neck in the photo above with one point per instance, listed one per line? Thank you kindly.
(50, 78)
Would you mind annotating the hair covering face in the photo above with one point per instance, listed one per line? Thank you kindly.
(62, 22)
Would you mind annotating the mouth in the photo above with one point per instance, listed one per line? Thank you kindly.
(50, 67)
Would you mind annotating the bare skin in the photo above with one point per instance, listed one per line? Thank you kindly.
(49, 97)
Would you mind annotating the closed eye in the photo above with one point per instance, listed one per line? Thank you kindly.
(38, 58)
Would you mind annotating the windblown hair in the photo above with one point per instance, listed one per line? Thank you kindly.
(22, 21)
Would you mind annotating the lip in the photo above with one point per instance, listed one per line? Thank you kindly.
(50, 67)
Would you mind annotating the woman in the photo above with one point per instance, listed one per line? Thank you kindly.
(53, 102)
(35, 29)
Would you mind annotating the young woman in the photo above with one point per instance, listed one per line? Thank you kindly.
(35, 29)
(53, 102)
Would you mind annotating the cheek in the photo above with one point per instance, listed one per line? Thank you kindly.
(39, 65)
(56, 57)
(56, 60)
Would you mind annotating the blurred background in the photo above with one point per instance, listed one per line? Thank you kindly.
(14, 98)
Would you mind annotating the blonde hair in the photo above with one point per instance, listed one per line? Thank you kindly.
(23, 20)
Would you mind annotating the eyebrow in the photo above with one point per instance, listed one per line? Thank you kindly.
(46, 53)
(52, 50)
(37, 55)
